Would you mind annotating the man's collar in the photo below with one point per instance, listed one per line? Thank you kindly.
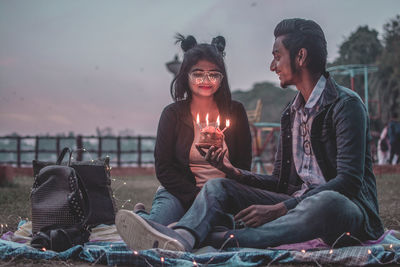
(316, 93)
(314, 97)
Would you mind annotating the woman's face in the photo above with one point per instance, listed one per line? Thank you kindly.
(204, 79)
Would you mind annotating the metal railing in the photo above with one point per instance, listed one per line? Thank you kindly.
(123, 150)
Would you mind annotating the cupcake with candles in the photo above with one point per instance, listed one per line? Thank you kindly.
(211, 135)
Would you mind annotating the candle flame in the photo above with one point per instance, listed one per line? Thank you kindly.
(207, 119)
(198, 118)
(218, 121)
(228, 123)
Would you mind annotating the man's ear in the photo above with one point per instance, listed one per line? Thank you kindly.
(302, 57)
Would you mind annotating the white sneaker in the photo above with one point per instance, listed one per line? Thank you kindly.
(139, 233)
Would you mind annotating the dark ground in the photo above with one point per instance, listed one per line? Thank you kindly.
(14, 205)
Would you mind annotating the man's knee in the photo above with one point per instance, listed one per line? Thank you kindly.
(328, 198)
(340, 214)
(331, 203)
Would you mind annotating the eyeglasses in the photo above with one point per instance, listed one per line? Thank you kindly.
(199, 76)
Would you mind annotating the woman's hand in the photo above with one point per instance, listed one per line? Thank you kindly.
(257, 215)
(215, 156)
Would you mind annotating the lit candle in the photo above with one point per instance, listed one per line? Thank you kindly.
(227, 124)
(198, 120)
(217, 123)
(207, 120)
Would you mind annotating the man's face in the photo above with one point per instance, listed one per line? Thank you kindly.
(281, 63)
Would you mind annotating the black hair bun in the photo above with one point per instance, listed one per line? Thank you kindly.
(219, 43)
(186, 43)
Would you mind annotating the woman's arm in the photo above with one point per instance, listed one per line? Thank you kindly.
(170, 174)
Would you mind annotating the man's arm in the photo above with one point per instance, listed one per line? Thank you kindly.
(215, 156)
(257, 215)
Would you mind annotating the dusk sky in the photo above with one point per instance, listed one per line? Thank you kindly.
(77, 65)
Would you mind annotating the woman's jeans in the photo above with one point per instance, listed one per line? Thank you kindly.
(327, 215)
(165, 209)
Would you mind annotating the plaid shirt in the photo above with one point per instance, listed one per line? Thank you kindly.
(304, 159)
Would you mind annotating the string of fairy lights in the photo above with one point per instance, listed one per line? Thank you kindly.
(122, 183)
(395, 260)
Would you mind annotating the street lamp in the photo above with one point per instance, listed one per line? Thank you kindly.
(174, 65)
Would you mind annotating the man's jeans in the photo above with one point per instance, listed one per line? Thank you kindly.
(325, 215)
(165, 209)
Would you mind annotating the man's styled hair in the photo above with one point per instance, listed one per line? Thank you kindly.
(301, 33)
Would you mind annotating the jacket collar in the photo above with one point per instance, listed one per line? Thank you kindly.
(329, 95)
(183, 107)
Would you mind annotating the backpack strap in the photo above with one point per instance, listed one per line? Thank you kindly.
(62, 155)
(86, 201)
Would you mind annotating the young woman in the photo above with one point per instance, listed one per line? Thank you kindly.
(200, 87)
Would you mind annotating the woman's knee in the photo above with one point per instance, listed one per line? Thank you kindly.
(217, 187)
(214, 184)
(166, 208)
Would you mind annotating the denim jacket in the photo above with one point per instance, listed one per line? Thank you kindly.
(340, 137)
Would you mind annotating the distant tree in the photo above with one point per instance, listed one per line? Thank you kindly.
(361, 47)
(274, 99)
(387, 81)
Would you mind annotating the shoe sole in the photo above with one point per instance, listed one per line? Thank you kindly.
(139, 235)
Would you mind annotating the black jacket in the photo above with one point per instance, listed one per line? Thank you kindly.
(340, 137)
(175, 136)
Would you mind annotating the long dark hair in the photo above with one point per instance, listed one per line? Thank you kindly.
(301, 33)
(194, 52)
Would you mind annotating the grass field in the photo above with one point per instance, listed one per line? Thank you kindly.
(15, 204)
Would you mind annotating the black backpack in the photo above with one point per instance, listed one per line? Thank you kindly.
(60, 207)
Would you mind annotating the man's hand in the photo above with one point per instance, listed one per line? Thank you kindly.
(215, 156)
(257, 215)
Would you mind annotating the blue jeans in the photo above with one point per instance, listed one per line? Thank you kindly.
(325, 215)
(166, 208)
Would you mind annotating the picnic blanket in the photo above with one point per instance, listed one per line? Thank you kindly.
(106, 247)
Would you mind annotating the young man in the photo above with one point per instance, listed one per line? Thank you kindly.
(322, 184)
